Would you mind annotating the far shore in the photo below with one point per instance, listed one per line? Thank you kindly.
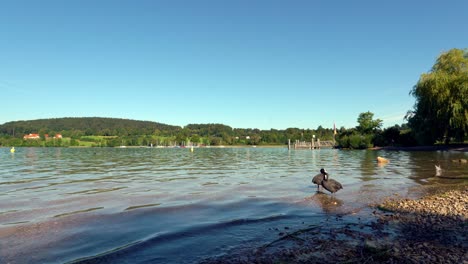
(455, 147)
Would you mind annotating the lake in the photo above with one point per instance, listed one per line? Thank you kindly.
(154, 205)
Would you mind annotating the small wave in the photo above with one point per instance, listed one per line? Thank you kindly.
(16, 223)
(95, 191)
(116, 254)
(209, 183)
(79, 211)
(9, 211)
(141, 206)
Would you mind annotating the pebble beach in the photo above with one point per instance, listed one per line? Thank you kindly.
(430, 229)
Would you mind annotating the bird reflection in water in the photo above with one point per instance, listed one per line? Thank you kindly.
(328, 203)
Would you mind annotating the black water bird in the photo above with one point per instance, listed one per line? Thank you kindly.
(319, 178)
(330, 184)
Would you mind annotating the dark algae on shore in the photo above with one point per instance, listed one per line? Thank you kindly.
(432, 229)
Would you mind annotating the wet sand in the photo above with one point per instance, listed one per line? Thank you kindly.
(432, 229)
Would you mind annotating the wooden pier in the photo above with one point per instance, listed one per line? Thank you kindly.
(311, 145)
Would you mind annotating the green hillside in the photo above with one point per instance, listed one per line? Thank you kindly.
(86, 126)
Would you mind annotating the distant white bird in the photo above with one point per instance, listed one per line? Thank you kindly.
(438, 170)
(448, 174)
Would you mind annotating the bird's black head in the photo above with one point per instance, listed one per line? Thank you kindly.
(323, 171)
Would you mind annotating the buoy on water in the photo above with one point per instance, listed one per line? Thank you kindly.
(191, 149)
(382, 160)
(12, 150)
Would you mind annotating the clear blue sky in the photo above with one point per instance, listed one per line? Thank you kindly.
(244, 63)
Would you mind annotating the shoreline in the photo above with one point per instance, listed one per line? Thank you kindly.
(457, 147)
(430, 229)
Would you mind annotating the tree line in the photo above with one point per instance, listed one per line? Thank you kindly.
(111, 132)
(440, 115)
(108, 132)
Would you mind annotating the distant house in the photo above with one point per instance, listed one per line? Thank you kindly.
(36, 136)
(32, 136)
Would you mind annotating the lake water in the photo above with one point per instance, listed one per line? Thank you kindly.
(145, 205)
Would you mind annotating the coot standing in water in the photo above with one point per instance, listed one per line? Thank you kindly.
(319, 178)
(330, 184)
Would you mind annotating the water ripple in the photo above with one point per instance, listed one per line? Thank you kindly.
(150, 197)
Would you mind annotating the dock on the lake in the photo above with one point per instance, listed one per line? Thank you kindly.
(311, 144)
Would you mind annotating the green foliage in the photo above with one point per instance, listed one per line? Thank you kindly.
(441, 109)
(368, 134)
(354, 140)
(86, 126)
(367, 124)
(74, 143)
(395, 136)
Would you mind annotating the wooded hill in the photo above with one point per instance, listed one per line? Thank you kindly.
(86, 126)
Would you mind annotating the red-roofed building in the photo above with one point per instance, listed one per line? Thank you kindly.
(36, 136)
(32, 136)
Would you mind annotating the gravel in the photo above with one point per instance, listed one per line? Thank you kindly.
(432, 229)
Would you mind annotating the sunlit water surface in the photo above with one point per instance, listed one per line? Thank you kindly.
(145, 205)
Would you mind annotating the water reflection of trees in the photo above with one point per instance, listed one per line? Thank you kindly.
(368, 165)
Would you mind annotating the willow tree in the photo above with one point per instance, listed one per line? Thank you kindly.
(441, 108)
